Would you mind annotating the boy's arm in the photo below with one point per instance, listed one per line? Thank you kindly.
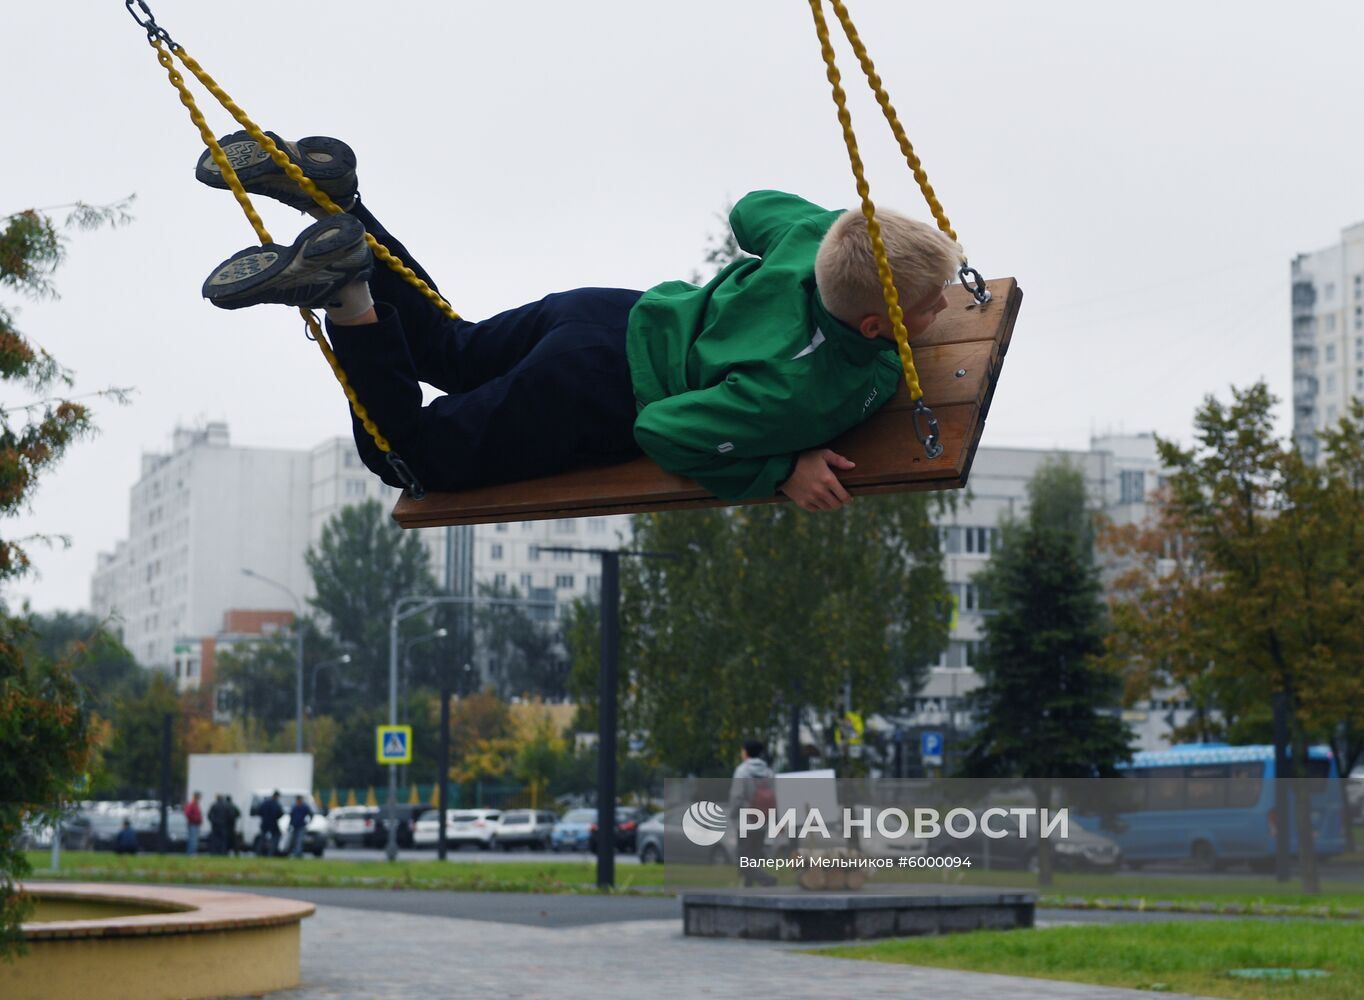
(720, 437)
(760, 218)
(735, 443)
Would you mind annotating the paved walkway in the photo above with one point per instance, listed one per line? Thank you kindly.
(373, 955)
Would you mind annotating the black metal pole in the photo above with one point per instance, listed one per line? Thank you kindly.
(164, 835)
(1282, 819)
(443, 774)
(606, 720)
(793, 754)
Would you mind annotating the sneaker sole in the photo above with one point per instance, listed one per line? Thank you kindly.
(327, 255)
(329, 163)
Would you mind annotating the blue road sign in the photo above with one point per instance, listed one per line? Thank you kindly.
(930, 747)
(393, 744)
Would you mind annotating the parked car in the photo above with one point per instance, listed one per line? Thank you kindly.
(573, 832)
(356, 826)
(1082, 850)
(462, 826)
(146, 820)
(628, 819)
(649, 842)
(524, 828)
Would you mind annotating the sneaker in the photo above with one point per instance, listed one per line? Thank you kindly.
(328, 163)
(326, 257)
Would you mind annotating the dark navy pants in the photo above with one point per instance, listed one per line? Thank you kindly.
(535, 390)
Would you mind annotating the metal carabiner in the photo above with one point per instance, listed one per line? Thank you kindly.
(930, 439)
(972, 281)
(410, 482)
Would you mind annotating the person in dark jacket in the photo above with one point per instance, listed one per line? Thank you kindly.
(231, 815)
(217, 823)
(299, 815)
(126, 841)
(738, 384)
(270, 813)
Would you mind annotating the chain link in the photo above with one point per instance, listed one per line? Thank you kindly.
(148, 23)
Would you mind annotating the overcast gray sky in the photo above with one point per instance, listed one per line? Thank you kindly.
(1147, 172)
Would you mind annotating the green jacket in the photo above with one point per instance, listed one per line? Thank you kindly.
(734, 379)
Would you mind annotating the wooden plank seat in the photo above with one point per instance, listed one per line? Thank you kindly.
(959, 360)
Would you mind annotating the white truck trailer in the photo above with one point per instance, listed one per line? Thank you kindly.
(248, 777)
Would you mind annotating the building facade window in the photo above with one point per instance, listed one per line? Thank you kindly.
(563, 581)
(533, 553)
(596, 525)
(525, 584)
(1131, 486)
(500, 581)
(496, 552)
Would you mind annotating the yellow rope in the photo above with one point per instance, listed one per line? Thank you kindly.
(888, 291)
(296, 174)
(883, 99)
(262, 234)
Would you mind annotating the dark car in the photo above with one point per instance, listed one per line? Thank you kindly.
(628, 819)
(1081, 850)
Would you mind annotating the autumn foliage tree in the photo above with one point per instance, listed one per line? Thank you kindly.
(1249, 584)
(46, 739)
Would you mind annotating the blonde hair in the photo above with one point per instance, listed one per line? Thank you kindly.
(922, 258)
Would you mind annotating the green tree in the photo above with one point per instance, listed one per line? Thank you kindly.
(261, 677)
(526, 656)
(102, 666)
(362, 564)
(1040, 709)
(46, 736)
(132, 760)
(768, 610)
(1257, 590)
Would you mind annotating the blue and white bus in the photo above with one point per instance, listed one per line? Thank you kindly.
(1212, 804)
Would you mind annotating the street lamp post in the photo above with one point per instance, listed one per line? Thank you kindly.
(403, 609)
(344, 658)
(298, 664)
(607, 689)
(439, 633)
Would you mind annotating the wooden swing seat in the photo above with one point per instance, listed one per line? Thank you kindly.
(959, 359)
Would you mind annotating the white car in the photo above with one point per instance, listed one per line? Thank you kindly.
(525, 828)
(462, 826)
(355, 826)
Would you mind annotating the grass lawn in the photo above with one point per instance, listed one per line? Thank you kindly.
(1230, 892)
(1128, 891)
(1189, 957)
(473, 876)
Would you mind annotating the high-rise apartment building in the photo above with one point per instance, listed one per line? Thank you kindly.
(1328, 336)
(199, 515)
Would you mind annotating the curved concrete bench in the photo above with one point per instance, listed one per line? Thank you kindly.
(159, 941)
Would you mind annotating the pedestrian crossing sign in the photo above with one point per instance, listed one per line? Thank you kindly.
(393, 744)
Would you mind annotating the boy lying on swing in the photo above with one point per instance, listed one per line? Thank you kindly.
(737, 384)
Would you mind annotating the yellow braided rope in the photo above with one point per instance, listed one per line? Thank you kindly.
(296, 174)
(883, 99)
(888, 291)
(262, 234)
